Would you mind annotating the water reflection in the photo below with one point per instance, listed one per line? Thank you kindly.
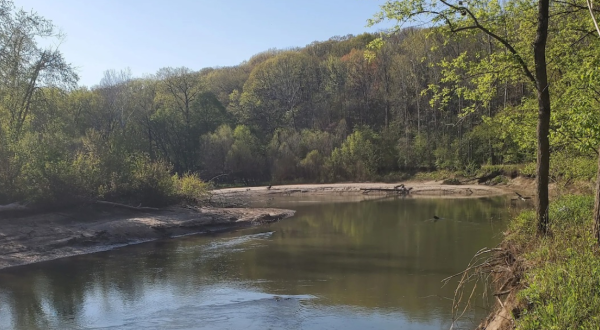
(373, 264)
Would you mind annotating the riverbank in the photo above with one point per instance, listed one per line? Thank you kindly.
(418, 189)
(548, 282)
(48, 236)
(42, 237)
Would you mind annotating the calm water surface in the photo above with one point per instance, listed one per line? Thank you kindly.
(364, 265)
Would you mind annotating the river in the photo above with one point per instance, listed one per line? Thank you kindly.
(375, 264)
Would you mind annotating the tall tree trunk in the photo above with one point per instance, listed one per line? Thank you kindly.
(543, 127)
(597, 203)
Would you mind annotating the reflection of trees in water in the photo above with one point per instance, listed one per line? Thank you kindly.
(41, 294)
(24, 306)
(366, 254)
(36, 300)
(361, 254)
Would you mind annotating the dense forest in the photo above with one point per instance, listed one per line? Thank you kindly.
(351, 108)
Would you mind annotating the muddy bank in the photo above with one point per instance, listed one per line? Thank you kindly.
(35, 238)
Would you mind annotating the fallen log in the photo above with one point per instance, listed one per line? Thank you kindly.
(129, 207)
(404, 191)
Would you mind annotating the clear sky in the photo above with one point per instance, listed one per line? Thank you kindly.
(145, 35)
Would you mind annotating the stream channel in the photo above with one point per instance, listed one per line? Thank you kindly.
(373, 264)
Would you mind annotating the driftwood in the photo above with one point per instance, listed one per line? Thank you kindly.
(398, 190)
(380, 189)
(129, 207)
(12, 207)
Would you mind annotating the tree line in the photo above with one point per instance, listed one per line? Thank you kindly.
(366, 107)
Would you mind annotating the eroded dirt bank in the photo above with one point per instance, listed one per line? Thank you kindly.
(35, 238)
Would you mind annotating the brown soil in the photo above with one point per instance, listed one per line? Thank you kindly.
(35, 238)
(506, 268)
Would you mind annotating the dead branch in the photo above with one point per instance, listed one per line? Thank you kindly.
(398, 190)
(502, 293)
(591, 8)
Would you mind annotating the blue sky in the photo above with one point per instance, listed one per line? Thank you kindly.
(145, 35)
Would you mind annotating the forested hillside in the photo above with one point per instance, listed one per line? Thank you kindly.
(350, 108)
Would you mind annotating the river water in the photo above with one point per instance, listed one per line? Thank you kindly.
(374, 264)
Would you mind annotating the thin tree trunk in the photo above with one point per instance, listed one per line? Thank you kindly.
(597, 203)
(543, 162)
(597, 199)
(543, 127)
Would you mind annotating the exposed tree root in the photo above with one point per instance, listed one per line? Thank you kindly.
(498, 268)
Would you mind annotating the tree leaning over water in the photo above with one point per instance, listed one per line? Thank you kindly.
(490, 17)
(597, 197)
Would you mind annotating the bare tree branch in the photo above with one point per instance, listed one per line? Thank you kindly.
(591, 8)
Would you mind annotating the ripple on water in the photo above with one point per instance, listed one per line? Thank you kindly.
(227, 308)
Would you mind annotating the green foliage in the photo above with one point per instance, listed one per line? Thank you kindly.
(357, 158)
(215, 147)
(245, 158)
(447, 155)
(300, 155)
(349, 108)
(563, 280)
(275, 90)
(569, 167)
(565, 296)
(528, 170)
(150, 183)
(311, 166)
(285, 152)
(506, 170)
(422, 155)
(191, 188)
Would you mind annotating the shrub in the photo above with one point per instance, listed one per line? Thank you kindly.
(151, 183)
(357, 158)
(312, 165)
(191, 188)
(573, 167)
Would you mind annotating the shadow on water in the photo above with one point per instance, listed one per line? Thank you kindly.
(373, 264)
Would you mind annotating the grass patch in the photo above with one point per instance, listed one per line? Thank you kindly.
(562, 272)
